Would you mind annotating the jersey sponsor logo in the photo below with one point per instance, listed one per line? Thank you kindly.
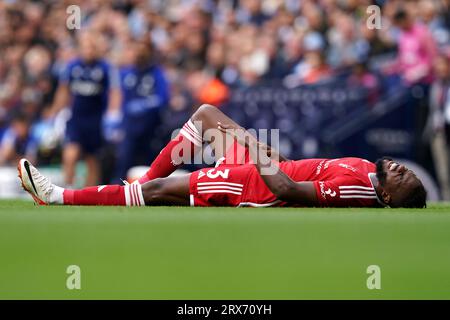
(322, 189)
(86, 88)
(324, 164)
(319, 167)
(327, 164)
(346, 166)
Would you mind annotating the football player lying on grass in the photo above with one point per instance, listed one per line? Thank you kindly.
(249, 173)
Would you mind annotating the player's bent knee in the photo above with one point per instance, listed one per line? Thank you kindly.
(204, 111)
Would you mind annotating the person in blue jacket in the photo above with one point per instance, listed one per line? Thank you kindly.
(144, 92)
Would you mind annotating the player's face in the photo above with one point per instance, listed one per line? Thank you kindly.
(20, 128)
(88, 48)
(396, 181)
(405, 24)
(143, 53)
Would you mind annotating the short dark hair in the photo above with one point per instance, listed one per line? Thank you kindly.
(417, 198)
(19, 116)
(400, 15)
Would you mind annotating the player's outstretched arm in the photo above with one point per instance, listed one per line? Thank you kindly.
(279, 183)
(285, 189)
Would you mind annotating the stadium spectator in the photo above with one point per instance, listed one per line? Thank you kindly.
(428, 11)
(313, 67)
(417, 49)
(363, 78)
(346, 46)
(207, 88)
(17, 141)
(374, 42)
(438, 127)
(145, 93)
(292, 52)
(84, 85)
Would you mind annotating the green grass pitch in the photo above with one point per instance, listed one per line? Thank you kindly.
(223, 253)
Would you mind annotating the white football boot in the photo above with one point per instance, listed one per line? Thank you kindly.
(37, 185)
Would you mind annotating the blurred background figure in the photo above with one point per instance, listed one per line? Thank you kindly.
(416, 49)
(17, 141)
(438, 23)
(438, 127)
(366, 81)
(85, 84)
(145, 93)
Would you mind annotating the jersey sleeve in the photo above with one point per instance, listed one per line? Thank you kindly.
(162, 86)
(345, 191)
(8, 140)
(64, 74)
(113, 77)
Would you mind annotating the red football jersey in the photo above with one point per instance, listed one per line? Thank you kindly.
(343, 182)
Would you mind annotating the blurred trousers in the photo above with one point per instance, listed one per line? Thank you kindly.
(441, 159)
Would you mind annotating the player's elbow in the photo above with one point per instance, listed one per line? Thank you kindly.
(299, 193)
(283, 191)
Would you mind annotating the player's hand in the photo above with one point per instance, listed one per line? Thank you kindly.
(48, 113)
(111, 127)
(242, 136)
(224, 126)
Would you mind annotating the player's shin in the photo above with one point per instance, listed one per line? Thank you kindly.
(183, 147)
(106, 195)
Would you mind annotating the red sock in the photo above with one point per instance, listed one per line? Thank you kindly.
(109, 195)
(170, 158)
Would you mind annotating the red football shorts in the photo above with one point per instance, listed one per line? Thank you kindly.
(234, 182)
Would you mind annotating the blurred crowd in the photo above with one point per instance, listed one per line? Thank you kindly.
(203, 49)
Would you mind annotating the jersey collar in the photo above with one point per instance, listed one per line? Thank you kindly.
(374, 182)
